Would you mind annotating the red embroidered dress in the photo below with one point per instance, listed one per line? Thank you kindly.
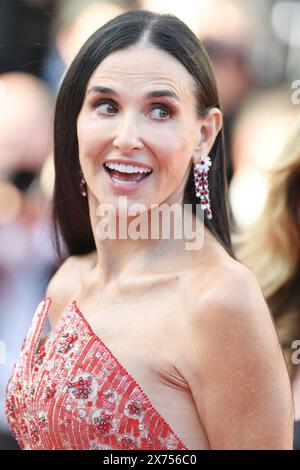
(74, 394)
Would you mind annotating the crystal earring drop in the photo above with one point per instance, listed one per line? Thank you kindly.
(201, 169)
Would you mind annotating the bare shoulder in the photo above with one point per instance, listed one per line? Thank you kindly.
(237, 290)
(236, 368)
(231, 293)
(224, 284)
(64, 284)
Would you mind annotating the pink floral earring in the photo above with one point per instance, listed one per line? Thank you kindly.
(82, 184)
(201, 169)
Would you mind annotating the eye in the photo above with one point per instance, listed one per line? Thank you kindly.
(101, 105)
(163, 111)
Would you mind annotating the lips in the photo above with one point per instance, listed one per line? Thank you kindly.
(126, 183)
(129, 177)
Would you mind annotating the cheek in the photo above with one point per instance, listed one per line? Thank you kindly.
(91, 139)
(171, 145)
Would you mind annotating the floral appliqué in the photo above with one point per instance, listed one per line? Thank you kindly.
(74, 394)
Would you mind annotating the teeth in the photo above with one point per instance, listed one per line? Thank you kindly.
(127, 168)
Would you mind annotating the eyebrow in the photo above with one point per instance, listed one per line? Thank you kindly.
(151, 94)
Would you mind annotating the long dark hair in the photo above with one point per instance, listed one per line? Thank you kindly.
(71, 220)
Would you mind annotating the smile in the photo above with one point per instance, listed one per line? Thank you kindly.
(124, 176)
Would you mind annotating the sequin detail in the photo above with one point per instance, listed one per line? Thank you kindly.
(74, 394)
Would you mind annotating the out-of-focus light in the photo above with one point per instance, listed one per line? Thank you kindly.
(247, 194)
(285, 19)
(10, 203)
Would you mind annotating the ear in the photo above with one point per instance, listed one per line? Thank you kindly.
(209, 127)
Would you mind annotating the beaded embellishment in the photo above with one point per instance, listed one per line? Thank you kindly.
(201, 170)
(74, 394)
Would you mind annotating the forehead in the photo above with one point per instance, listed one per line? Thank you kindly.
(142, 67)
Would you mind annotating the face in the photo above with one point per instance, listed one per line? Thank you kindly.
(123, 122)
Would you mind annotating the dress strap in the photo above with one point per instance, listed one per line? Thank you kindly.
(35, 331)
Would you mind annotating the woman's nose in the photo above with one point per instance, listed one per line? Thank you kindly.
(127, 135)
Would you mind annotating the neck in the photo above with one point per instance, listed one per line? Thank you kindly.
(120, 259)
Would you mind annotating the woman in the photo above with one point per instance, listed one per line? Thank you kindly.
(153, 346)
(271, 248)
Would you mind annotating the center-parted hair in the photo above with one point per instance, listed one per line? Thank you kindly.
(71, 220)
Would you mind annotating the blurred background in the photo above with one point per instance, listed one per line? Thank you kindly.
(254, 47)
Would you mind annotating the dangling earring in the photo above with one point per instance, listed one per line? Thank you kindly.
(201, 169)
(82, 184)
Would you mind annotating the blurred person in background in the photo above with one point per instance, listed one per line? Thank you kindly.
(74, 22)
(26, 118)
(271, 248)
(25, 34)
(26, 256)
(258, 135)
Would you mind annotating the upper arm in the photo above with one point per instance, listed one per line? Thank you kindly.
(238, 377)
(59, 289)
